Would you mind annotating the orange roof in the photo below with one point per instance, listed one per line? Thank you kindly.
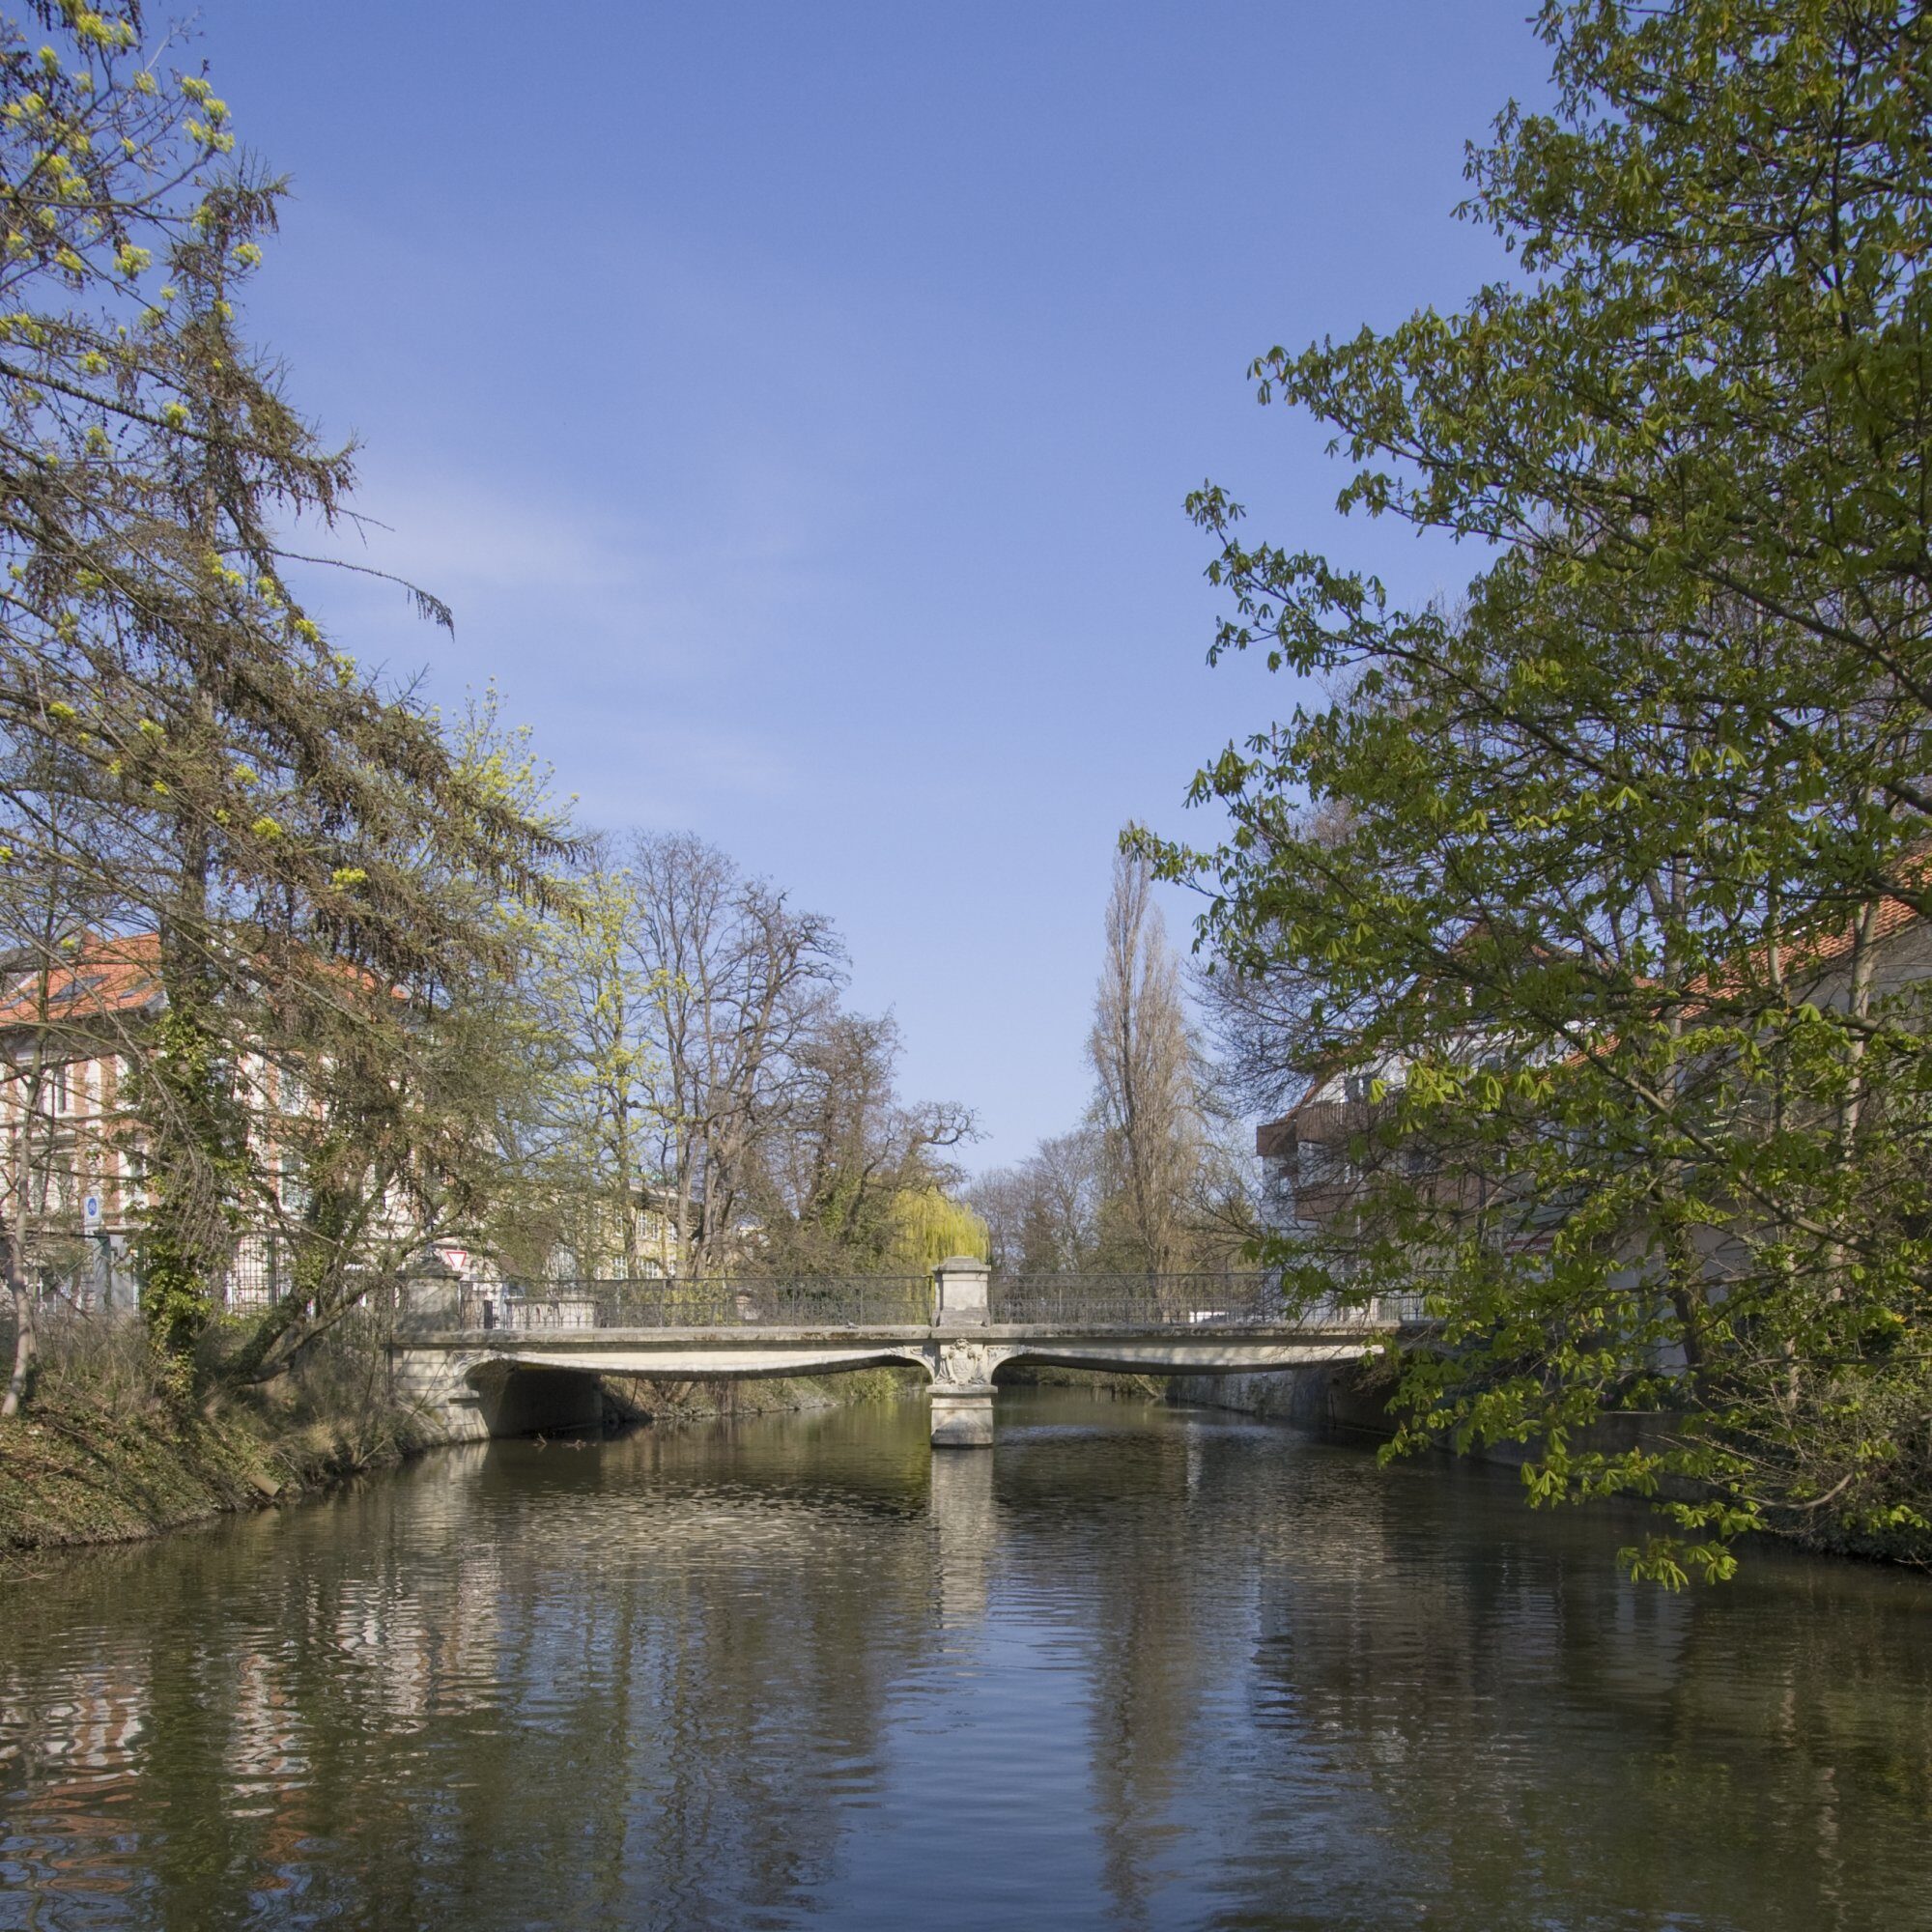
(1894, 916)
(1807, 955)
(105, 972)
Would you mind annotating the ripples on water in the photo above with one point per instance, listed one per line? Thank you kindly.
(1137, 1667)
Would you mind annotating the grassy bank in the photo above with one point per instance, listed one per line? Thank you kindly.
(101, 1455)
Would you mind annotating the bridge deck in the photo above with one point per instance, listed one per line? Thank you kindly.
(915, 1334)
(963, 1355)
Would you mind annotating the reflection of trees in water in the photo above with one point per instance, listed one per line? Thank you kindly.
(1525, 1728)
(653, 1684)
(1392, 1691)
(1112, 1519)
(774, 1611)
(650, 1711)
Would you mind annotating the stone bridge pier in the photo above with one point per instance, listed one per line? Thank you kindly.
(962, 1371)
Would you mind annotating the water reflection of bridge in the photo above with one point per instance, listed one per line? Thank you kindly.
(510, 1365)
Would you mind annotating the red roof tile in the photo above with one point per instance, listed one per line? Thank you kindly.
(107, 973)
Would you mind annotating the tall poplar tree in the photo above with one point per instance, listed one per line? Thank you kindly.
(1145, 1104)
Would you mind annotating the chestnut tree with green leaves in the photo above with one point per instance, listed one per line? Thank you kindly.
(1610, 880)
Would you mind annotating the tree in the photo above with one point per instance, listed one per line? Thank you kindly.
(1616, 904)
(383, 1111)
(1146, 1105)
(1044, 1214)
(593, 1074)
(930, 1225)
(285, 825)
(1148, 1184)
(740, 982)
(685, 1064)
(851, 1175)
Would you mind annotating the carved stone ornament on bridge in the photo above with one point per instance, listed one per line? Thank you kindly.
(967, 1364)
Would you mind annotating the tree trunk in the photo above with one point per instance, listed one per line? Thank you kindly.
(26, 1338)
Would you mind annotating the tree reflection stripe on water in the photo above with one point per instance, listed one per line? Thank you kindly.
(1138, 1667)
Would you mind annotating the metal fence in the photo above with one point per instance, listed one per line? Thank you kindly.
(107, 1279)
(101, 1283)
(1402, 1311)
(109, 1284)
(871, 1301)
(420, 1304)
(861, 1301)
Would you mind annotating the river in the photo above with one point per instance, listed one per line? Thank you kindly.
(1138, 1667)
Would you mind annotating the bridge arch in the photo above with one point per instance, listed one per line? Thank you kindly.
(494, 1390)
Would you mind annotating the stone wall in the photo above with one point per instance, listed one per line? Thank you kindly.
(1329, 1397)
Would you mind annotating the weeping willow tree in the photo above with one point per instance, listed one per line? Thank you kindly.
(929, 1226)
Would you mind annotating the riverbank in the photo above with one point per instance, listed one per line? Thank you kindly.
(1343, 1400)
(101, 1455)
(1349, 1401)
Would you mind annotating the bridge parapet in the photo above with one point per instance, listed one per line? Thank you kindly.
(960, 1292)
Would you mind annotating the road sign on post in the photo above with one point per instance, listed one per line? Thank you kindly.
(90, 1213)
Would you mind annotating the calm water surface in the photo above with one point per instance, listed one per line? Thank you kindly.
(1137, 1667)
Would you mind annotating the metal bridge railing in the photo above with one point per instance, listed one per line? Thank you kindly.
(1139, 1300)
(867, 1301)
(1229, 1300)
(415, 1304)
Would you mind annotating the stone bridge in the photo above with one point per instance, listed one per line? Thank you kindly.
(514, 1367)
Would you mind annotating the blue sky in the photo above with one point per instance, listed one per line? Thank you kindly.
(796, 405)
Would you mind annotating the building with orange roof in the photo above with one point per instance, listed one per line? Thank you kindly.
(67, 1027)
(1316, 1158)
